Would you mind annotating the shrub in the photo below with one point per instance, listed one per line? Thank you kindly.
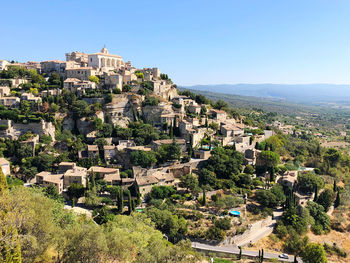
(223, 223)
(215, 233)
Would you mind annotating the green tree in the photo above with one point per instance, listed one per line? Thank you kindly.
(215, 233)
(52, 192)
(308, 182)
(337, 200)
(75, 191)
(220, 104)
(223, 223)
(326, 199)
(332, 157)
(143, 158)
(161, 192)
(94, 79)
(249, 169)
(314, 252)
(225, 162)
(169, 152)
(189, 181)
(268, 159)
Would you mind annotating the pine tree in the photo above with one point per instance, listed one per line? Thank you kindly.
(337, 200)
(3, 182)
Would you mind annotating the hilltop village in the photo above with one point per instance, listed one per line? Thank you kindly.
(108, 96)
(109, 140)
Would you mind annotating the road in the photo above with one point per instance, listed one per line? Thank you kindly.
(233, 250)
(262, 232)
(79, 210)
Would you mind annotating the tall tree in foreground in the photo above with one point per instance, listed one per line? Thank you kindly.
(313, 253)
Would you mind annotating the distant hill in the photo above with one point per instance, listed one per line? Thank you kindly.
(302, 93)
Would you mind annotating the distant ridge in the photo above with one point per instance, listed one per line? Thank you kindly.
(303, 93)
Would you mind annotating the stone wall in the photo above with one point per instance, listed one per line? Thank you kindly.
(15, 130)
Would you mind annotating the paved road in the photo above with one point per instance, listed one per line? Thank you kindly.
(233, 250)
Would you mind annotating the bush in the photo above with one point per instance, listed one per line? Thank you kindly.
(280, 230)
(223, 223)
(215, 233)
(150, 101)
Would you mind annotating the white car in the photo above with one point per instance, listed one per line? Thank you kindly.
(284, 256)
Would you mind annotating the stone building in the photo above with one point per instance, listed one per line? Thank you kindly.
(4, 91)
(3, 64)
(113, 80)
(10, 101)
(78, 86)
(218, 115)
(51, 66)
(46, 179)
(82, 73)
(105, 60)
(30, 97)
(78, 57)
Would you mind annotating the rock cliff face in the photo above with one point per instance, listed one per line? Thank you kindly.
(123, 109)
(14, 130)
(152, 114)
(85, 126)
(68, 123)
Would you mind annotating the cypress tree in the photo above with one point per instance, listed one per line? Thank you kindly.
(257, 145)
(93, 182)
(129, 203)
(337, 200)
(120, 200)
(262, 255)
(204, 197)
(334, 186)
(240, 253)
(259, 255)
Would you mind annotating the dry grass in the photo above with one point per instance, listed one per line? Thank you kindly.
(269, 244)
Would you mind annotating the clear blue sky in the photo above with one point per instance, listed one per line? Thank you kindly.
(194, 41)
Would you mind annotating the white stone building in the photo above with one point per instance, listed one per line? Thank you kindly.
(105, 60)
